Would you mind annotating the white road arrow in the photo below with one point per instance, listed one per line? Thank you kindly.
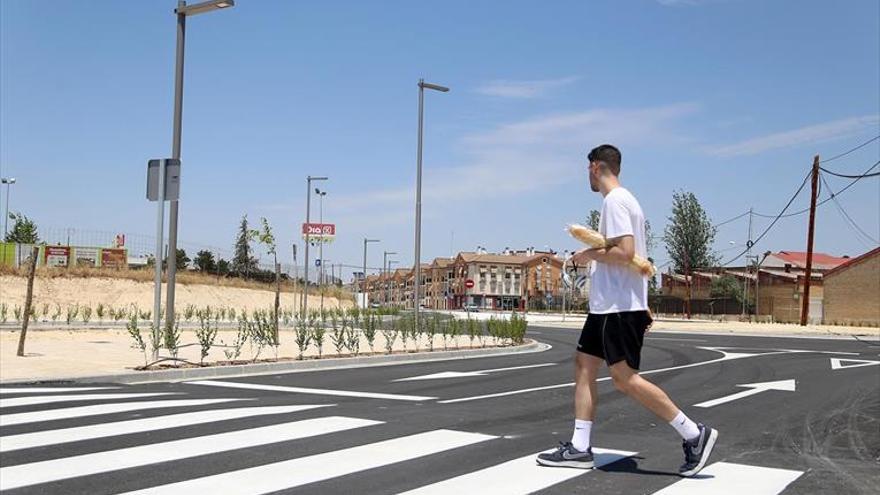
(461, 374)
(754, 388)
(838, 364)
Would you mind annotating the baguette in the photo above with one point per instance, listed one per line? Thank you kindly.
(596, 240)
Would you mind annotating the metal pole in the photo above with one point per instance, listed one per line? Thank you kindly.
(6, 216)
(175, 153)
(805, 308)
(418, 241)
(364, 286)
(321, 249)
(305, 293)
(564, 262)
(157, 292)
(295, 272)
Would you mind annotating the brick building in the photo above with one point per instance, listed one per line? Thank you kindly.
(852, 291)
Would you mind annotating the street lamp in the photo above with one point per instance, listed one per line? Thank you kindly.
(364, 290)
(8, 181)
(418, 269)
(385, 275)
(305, 294)
(392, 262)
(183, 11)
(321, 280)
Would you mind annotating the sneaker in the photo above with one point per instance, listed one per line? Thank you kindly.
(567, 456)
(697, 451)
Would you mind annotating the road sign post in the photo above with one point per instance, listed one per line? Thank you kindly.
(163, 184)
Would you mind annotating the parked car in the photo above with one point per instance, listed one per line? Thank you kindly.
(375, 305)
(471, 307)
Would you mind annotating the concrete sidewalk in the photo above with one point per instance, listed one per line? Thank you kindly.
(72, 354)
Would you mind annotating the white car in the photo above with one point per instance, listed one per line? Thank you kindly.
(471, 307)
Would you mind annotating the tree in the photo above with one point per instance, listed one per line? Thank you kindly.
(24, 230)
(223, 267)
(182, 260)
(593, 220)
(243, 262)
(265, 237)
(726, 286)
(650, 242)
(689, 234)
(205, 261)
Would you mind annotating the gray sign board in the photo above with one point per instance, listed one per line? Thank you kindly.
(172, 179)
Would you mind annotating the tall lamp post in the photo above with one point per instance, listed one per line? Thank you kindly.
(392, 262)
(183, 11)
(321, 270)
(364, 289)
(417, 282)
(305, 294)
(385, 276)
(8, 181)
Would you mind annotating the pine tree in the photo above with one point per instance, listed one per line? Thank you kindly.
(243, 262)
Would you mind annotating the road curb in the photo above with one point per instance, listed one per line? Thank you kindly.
(293, 366)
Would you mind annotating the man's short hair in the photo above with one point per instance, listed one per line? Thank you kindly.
(607, 154)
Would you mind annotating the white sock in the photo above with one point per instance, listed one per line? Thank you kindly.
(581, 436)
(685, 427)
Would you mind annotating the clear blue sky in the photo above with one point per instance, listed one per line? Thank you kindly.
(727, 99)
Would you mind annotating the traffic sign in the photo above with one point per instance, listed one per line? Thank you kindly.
(171, 176)
(317, 262)
(469, 283)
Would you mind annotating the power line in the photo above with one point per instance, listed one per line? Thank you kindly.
(820, 203)
(875, 174)
(849, 219)
(790, 201)
(731, 219)
(852, 150)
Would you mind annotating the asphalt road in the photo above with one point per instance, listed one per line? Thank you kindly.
(473, 427)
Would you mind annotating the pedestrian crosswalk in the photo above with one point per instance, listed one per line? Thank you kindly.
(118, 434)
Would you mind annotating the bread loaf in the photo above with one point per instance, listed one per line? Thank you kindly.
(594, 239)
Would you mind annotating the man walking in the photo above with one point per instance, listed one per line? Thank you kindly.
(616, 326)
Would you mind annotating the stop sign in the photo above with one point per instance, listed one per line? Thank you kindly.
(469, 283)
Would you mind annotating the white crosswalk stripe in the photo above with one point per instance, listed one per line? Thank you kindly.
(48, 390)
(91, 432)
(519, 476)
(51, 399)
(297, 472)
(114, 460)
(101, 409)
(725, 478)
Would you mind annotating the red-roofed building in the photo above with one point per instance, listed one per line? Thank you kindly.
(797, 260)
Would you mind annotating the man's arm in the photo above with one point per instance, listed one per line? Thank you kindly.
(619, 250)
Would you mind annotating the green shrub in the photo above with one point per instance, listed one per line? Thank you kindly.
(86, 313)
(72, 311)
(171, 337)
(206, 333)
(100, 311)
(135, 334)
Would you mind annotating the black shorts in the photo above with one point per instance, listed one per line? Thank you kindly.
(615, 337)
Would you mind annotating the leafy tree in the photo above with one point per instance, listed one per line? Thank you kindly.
(650, 241)
(593, 220)
(182, 260)
(223, 267)
(24, 230)
(243, 262)
(689, 234)
(726, 286)
(205, 261)
(265, 237)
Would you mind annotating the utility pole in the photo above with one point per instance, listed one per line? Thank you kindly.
(805, 307)
(748, 269)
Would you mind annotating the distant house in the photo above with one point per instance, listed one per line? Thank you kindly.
(852, 291)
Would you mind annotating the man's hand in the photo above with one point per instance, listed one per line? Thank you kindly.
(587, 255)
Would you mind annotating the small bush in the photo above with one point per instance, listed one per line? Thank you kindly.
(72, 311)
(100, 311)
(135, 334)
(206, 333)
(171, 337)
(86, 313)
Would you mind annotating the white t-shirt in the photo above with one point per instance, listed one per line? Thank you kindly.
(615, 288)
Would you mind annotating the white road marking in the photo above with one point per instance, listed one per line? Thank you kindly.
(649, 338)
(100, 409)
(724, 478)
(51, 399)
(726, 356)
(838, 364)
(313, 391)
(103, 430)
(460, 374)
(297, 472)
(754, 388)
(519, 476)
(115, 460)
(791, 351)
(44, 390)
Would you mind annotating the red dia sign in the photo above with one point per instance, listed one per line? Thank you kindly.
(319, 232)
(469, 283)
